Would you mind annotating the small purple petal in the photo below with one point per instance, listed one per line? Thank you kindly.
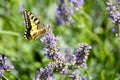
(113, 30)
(1, 74)
(21, 8)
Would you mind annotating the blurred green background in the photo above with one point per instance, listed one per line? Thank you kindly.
(91, 26)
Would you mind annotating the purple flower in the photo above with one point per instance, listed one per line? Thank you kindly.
(21, 8)
(59, 21)
(68, 54)
(4, 66)
(51, 49)
(77, 3)
(1, 74)
(46, 73)
(81, 55)
(65, 11)
(49, 39)
(113, 30)
(75, 76)
(114, 14)
(62, 63)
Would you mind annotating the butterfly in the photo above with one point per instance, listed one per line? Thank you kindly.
(34, 28)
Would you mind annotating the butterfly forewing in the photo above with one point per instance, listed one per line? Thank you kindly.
(34, 28)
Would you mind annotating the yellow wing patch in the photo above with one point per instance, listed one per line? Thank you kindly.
(34, 28)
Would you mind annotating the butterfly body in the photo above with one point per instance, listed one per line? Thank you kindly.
(34, 28)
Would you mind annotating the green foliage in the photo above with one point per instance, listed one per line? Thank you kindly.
(90, 25)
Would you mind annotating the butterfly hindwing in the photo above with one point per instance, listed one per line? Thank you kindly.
(34, 28)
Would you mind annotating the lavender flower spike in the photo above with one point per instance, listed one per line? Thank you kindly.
(51, 49)
(113, 8)
(81, 55)
(4, 66)
(65, 11)
(77, 3)
(46, 73)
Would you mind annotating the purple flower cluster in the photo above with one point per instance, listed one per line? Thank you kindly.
(46, 73)
(4, 66)
(81, 54)
(76, 76)
(66, 9)
(113, 8)
(51, 50)
(114, 13)
(77, 3)
(62, 63)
